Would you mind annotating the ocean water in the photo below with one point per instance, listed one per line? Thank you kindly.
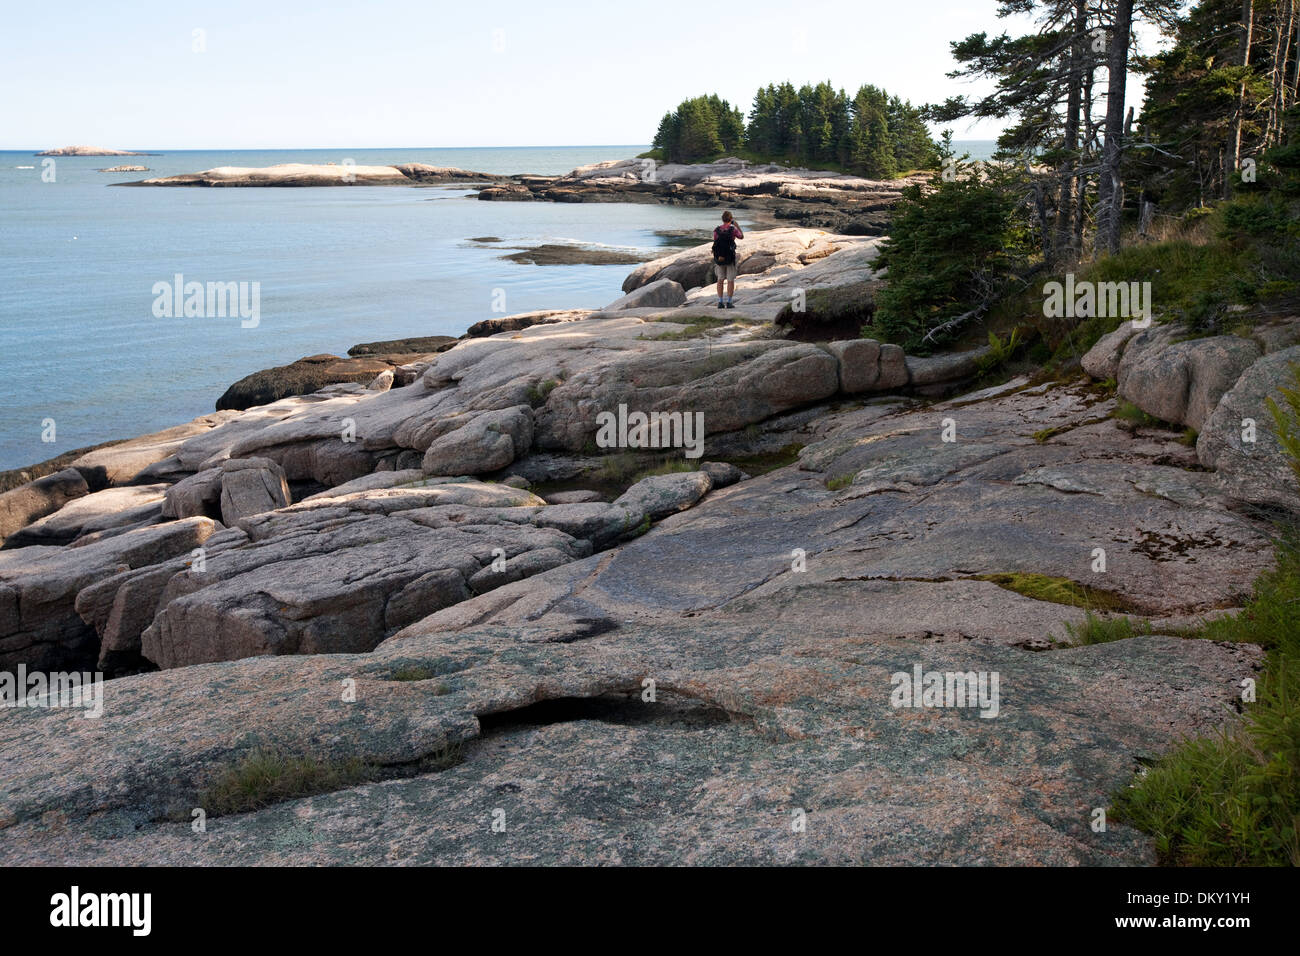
(81, 346)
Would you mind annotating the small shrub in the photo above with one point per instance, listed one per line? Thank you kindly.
(539, 392)
(1000, 351)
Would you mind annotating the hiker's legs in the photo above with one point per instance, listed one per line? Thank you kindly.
(719, 271)
(731, 287)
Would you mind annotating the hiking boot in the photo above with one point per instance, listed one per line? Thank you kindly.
(730, 305)
(721, 304)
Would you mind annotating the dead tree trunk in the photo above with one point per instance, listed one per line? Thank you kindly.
(1247, 37)
(1067, 248)
(1110, 194)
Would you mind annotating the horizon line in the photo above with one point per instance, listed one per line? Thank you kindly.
(19, 149)
(233, 149)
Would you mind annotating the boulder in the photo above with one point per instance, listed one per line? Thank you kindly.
(1102, 360)
(417, 345)
(199, 494)
(339, 574)
(239, 487)
(1182, 382)
(524, 566)
(764, 251)
(250, 486)
(722, 473)
(600, 523)
(732, 386)
(488, 442)
(36, 499)
(893, 368)
(303, 377)
(837, 312)
(662, 293)
(1256, 472)
(39, 624)
(661, 495)
(524, 320)
(859, 361)
(573, 497)
(510, 192)
(149, 457)
(1278, 334)
(944, 369)
(98, 511)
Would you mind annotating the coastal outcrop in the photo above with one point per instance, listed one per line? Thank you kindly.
(539, 386)
(1239, 441)
(314, 372)
(809, 198)
(1219, 387)
(34, 500)
(90, 151)
(490, 585)
(751, 644)
(321, 174)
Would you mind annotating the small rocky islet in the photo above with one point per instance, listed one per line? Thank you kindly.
(417, 560)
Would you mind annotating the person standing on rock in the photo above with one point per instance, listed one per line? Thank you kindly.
(724, 257)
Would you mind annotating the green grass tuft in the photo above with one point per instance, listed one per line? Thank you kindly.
(1041, 587)
(1127, 413)
(1102, 630)
(265, 776)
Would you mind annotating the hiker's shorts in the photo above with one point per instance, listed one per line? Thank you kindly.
(725, 273)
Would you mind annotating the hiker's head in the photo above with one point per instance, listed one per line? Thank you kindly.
(726, 216)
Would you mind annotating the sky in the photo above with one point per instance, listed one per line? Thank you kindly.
(393, 73)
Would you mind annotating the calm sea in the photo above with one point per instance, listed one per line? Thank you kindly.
(80, 344)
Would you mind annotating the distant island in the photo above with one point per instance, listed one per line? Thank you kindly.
(322, 174)
(91, 151)
(125, 169)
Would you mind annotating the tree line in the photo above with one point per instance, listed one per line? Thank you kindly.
(1077, 176)
(872, 134)
(1216, 99)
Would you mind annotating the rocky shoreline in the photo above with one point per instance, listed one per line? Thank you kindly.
(770, 194)
(327, 174)
(90, 151)
(644, 656)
